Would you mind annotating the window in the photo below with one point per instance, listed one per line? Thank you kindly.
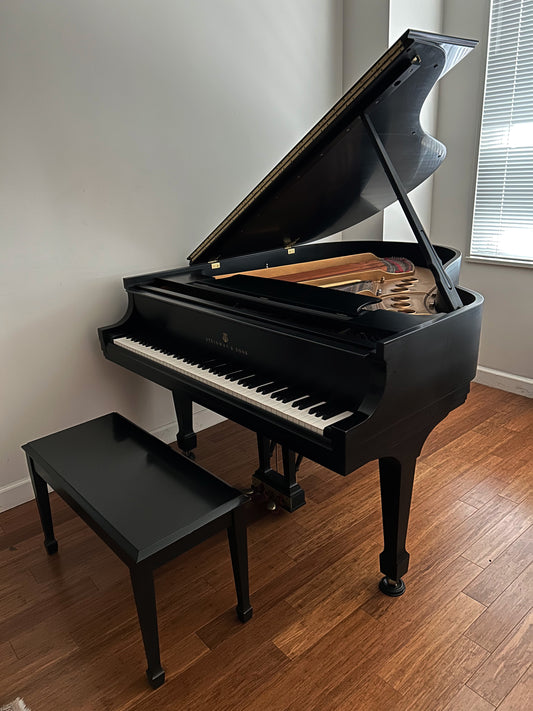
(503, 211)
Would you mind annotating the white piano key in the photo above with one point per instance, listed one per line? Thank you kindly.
(224, 384)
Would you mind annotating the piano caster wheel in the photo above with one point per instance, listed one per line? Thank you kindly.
(190, 455)
(393, 588)
(271, 505)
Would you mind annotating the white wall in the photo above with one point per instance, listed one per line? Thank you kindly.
(369, 28)
(506, 352)
(129, 129)
(365, 38)
(426, 16)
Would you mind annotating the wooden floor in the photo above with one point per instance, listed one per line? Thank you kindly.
(322, 636)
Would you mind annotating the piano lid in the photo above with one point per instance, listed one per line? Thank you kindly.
(333, 179)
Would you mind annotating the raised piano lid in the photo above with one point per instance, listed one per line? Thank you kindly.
(333, 179)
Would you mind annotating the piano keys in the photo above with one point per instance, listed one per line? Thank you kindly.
(269, 394)
(341, 352)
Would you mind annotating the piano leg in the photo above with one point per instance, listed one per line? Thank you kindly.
(283, 489)
(396, 476)
(186, 437)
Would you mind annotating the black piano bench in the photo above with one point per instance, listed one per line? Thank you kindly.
(146, 501)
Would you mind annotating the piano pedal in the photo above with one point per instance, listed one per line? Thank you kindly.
(260, 495)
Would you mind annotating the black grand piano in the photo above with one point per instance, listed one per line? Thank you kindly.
(342, 351)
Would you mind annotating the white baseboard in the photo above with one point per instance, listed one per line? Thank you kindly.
(505, 381)
(18, 492)
(202, 420)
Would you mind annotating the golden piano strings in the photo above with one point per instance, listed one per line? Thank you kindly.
(395, 281)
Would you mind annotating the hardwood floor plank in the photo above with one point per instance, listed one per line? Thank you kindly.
(506, 665)
(496, 577)
(323, 666)
(489, 546)
(219, 680)
(468, 700)
(356, 691)
(491, 627)
(320, 618)
(51, 601)
(429, 644)
(268, 621)
(444, 677)
(483, 492)
(521, 695)
(446, 540)
(521, 485)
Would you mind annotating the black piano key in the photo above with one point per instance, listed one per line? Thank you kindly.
(244, 380)
(307, 401)
(277, 395)
(233, 373)
(216, 367)
(288, 395)
(255, 381)
(269, 388)
(238, 374)
(225, 369)
(321, 408)
(204, 364)
(326, 411)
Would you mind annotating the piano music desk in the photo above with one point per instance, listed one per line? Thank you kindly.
(146, 501)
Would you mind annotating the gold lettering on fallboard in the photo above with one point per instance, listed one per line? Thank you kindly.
(224, 344)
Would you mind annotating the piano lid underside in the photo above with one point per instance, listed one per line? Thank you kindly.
(338, 181)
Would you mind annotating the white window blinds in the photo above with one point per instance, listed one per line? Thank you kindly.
(503, 211)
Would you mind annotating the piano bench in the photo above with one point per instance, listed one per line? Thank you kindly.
(146, 501)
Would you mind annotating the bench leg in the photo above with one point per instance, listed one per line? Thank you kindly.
(239, 559)
(143, 590)
(42, 500)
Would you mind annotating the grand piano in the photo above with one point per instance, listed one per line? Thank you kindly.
(342, 352)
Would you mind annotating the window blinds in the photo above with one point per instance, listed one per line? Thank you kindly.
(503, 210)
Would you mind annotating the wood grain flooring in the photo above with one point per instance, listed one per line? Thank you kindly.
(322, 637)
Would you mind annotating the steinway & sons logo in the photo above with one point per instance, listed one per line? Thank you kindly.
(224, 342)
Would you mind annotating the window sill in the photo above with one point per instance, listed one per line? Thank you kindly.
(496, 261)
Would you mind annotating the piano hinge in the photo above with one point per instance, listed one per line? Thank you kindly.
(289, 243)
(215, 264)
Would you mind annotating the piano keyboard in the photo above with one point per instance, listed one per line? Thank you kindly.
(289, 403)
